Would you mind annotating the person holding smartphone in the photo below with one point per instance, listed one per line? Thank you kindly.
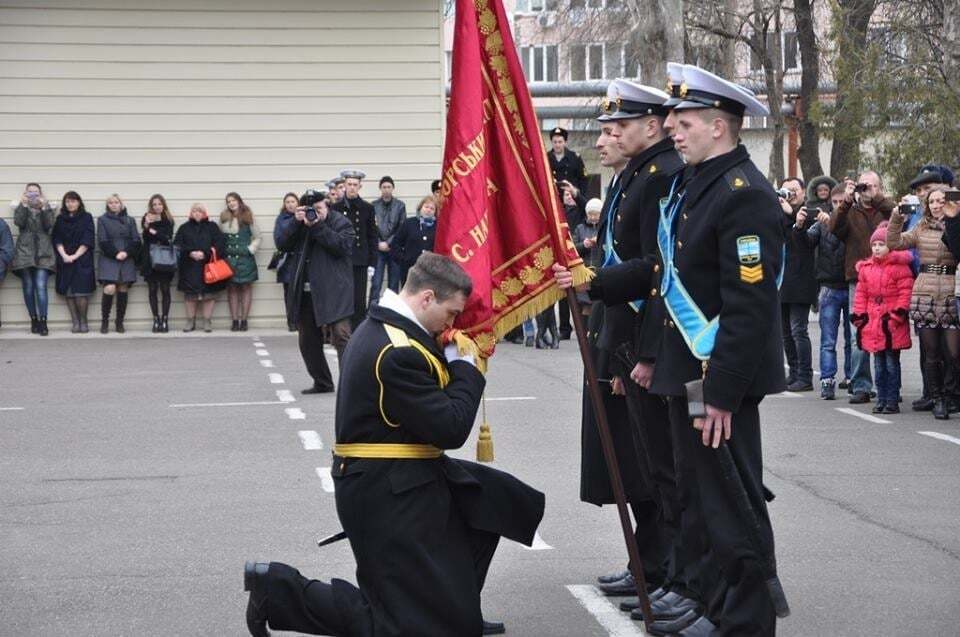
(33, 258)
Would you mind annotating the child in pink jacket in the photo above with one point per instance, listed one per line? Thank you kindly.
(884, 286)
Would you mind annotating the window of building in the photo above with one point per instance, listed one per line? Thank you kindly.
(613, 60)
(539, 63)
(599, 61)
(595, 62)
(790, 50)
(578, 62)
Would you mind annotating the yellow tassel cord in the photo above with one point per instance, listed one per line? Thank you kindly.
(485, 440)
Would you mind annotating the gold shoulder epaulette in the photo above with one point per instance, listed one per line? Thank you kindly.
(398, 338)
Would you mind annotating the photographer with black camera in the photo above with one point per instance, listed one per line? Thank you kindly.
(321, 291)
(799, 288)
(864, 207)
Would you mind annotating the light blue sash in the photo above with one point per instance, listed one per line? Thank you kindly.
(698, 332)
(610, 256)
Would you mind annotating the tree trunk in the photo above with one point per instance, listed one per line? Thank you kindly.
(773, 77)
(809, 151)
(848, 121)
(950, 41)
(659, 37)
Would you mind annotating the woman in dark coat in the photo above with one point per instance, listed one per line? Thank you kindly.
(74, 238)
(119, 244)
(34, 259)
(157, 226)
(415, 236)
(197, 239)
(284, 229)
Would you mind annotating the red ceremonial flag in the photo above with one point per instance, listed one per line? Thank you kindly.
(501, 217)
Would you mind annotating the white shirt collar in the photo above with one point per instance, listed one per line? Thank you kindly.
(392, 301)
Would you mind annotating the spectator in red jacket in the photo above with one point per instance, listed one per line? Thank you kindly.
(880, 306)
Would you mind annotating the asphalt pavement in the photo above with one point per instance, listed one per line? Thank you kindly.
(137, 474)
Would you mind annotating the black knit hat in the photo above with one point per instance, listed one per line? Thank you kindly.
(387, 179)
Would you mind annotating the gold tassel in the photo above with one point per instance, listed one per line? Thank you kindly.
(484, 440)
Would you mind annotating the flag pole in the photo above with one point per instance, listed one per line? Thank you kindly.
(609, 454)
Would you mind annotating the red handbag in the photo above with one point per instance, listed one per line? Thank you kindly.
(216, 270)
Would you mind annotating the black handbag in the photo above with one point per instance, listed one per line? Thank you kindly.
(164, 258)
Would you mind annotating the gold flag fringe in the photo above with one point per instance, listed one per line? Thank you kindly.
(485, 439)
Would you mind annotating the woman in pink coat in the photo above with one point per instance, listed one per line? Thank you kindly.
(884, 287)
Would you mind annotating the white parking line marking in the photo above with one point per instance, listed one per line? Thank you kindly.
(249, 404)
(506, 398)
(266, 363)
(538, 544)
(326, 480)
(11, 408)
(853, 412)
(285, 396)
(311, 440)
(276, 379)
(258, 344)
(787, 394)
(262, 352)
(616, 623)
(295, 413)
(940, 436)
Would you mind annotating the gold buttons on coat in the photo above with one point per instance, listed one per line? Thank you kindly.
(653, 292)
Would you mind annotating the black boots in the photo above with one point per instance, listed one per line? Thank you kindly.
(106, 305)
(934, 375)
(34, 325)
(235, 326)
(156, 325)
(121, 311)
(940, 411)
(243, 325)
(164, 325)
(42, 326)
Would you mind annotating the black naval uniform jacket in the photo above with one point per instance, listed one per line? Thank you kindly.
(728, 199)
(412, 523)
(646, 180)
(363, 217)
(569, 168)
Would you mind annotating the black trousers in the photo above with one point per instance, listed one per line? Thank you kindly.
(359, 295)
(730, 575)
(653, 537)
(295, 603)
(310, 339)
(565, 327)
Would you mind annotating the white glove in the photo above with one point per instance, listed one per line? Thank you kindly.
(370, 270)
(453, 354)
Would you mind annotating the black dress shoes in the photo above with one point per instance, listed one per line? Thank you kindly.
(493, 628)
(253, 574)
(316, 389)
(672, 606)
(703, 627)
(922, 404)
(672, 626)
(613, 577)
(623, 586)
(634, 602)
(859, 398)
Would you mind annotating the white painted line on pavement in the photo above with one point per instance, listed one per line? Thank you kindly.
(266, 363)
(250, 404)
(940, 436)
(311, 440)
(285, 396)
(788, 394)
(11, 408)
(259, 344)
(326, 480)
(295, 413)
(262, 352)
(615, 622)
(276, 379)
(506, 398)
(859, 414)
(538, 544)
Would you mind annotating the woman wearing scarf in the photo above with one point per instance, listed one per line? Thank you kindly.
(74, 239)
(415, 236)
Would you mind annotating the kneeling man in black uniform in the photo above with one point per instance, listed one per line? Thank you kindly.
(423, 527)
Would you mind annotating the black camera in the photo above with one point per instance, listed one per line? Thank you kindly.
(860, 188)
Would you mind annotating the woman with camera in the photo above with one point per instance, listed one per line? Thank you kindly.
(74, 238)
(33, 257)
(200, 241)
(119, 244)
(157, 225)
(933, 305)
(243, 239)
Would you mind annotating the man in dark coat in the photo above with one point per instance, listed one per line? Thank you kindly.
(565, 164)
(799, 289)
(321, 294)
(721, 242)
(361, 214)
(423, 527)
(632, 326)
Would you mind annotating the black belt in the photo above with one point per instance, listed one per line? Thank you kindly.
(938, 269)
